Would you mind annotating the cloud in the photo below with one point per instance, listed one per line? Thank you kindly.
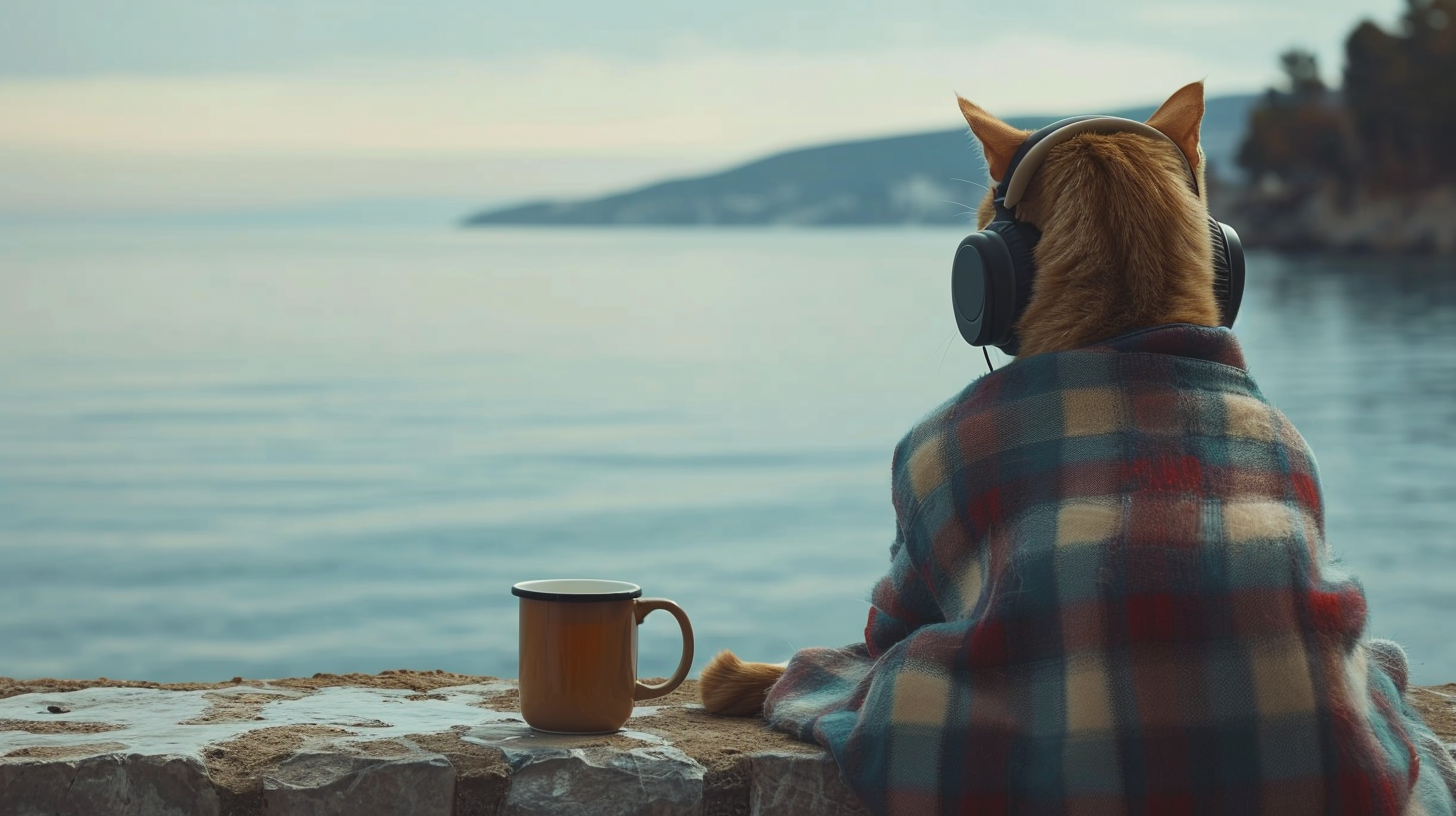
(59, 184)
(690, 103)
(1321, 27)
(1232, 15)
(563, 124)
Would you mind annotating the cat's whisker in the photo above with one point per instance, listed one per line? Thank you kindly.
(973, 183)
(943, 354)
(966, 211)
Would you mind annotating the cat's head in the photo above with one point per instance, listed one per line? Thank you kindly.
(1125, 237)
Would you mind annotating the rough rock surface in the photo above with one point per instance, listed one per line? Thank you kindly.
(422, 743)
(321, 782)
(1324, 219)
(657, 779)
(106, 783)
(789, 784)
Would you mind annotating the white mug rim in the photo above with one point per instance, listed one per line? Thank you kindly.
(576, 590)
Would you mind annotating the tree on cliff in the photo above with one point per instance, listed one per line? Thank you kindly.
(1400, 90)
(1297, 136)
(1392, 128)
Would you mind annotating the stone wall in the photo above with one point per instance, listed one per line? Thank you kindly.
(423, 743)
(428, 744)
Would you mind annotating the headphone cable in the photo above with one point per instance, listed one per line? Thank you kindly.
(989, 369)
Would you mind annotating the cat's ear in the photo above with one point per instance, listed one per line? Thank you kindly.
(998, 139)
(1179, 119)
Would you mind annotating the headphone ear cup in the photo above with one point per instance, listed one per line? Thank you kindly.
(982, 288)
(1228, 270)
(1020, 239)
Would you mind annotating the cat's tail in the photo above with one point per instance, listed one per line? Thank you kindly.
(731, 687)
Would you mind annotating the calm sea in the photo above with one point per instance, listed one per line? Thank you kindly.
(274, 453)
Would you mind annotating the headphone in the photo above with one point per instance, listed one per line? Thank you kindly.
(991, 278)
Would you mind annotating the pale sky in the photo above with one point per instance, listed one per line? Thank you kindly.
(176, 105)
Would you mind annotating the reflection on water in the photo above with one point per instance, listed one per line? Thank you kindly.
(1361, 355)
(279, 453)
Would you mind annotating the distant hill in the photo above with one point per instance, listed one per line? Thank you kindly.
(898, 180)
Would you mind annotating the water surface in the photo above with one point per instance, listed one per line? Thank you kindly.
(272, 453)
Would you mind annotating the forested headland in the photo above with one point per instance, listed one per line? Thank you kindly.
(1367, 166)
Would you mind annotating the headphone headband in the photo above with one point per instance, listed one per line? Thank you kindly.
(1029, 157)
(991, 277)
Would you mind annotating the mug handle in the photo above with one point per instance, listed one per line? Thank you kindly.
(642, 607)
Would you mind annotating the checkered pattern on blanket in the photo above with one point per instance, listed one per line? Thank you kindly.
(1110, 593)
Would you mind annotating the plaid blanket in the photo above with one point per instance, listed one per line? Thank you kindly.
(1110, 593)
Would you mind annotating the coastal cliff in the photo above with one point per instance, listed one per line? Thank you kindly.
(1328, 219)
(921, 179)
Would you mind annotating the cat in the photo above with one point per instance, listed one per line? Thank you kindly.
(981, 686)
(1124, 246)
